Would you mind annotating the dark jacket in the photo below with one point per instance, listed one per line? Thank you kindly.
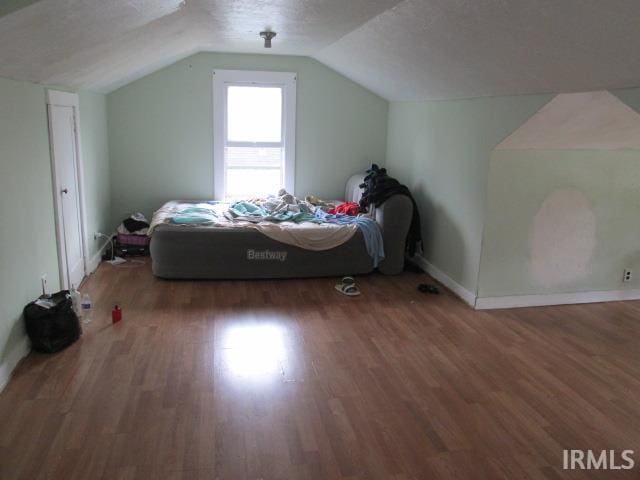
(378, 187)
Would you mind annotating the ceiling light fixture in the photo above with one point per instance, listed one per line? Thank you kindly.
(267, 35)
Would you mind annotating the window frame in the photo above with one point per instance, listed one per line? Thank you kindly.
(224, 78)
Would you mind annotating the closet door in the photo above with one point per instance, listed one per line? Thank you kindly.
(64, 149)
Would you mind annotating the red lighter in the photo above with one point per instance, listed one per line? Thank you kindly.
(116, 314)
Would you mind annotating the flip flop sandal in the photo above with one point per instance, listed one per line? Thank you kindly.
(348, 281)
(350, 290)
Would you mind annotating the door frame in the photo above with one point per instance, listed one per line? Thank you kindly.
(67, 99)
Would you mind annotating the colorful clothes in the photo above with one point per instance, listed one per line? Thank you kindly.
(369, 228)
(347, 208)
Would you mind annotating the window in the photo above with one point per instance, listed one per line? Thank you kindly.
(254, 133)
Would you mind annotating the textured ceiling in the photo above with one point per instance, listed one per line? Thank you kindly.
(402, 50)
(98, 44)
(579, 121)
(432, 49)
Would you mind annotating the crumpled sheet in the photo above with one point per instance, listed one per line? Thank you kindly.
(307, 235)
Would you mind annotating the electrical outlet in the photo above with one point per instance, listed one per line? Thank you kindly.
(43, 281)
(627, 275)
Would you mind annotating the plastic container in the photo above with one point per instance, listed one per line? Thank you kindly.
(116, 314)
(75, 300)
(87, 308)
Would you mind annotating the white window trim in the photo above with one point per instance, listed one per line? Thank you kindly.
(286, 80)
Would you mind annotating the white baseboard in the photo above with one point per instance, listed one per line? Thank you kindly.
(467, 296)
(17, 353)
(517, 301)
(94, 261)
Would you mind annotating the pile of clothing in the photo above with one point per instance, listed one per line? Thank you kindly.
(132, 236)
(379, 187)
(135, 224)
(282, 207)
(347, 208)
(369, 228)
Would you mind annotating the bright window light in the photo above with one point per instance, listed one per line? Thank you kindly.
(252, 172)
(254, 114)
(253, 149)
(254, 133)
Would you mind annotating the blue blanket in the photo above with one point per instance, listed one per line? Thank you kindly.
(255, 213)
(194, 216)
(369, 228)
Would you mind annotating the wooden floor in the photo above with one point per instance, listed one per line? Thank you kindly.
(291, 380)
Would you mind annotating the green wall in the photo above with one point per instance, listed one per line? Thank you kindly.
(520, 181)
(27, 231)
(441, 150)
(95, 159)
(630, 96)
(161, 130)
(10, 6)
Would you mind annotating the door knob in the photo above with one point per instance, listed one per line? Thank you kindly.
(64, 190)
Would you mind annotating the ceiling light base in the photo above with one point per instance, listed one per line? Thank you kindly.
(267, 35)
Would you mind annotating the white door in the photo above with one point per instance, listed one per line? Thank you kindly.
(64, 148)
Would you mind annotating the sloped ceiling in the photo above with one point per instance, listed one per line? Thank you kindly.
(433, 49)
(402, 50)
(579, 121)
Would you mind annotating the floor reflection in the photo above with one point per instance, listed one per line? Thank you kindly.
(254, 350)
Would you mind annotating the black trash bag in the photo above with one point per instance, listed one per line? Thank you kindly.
(52, 329)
